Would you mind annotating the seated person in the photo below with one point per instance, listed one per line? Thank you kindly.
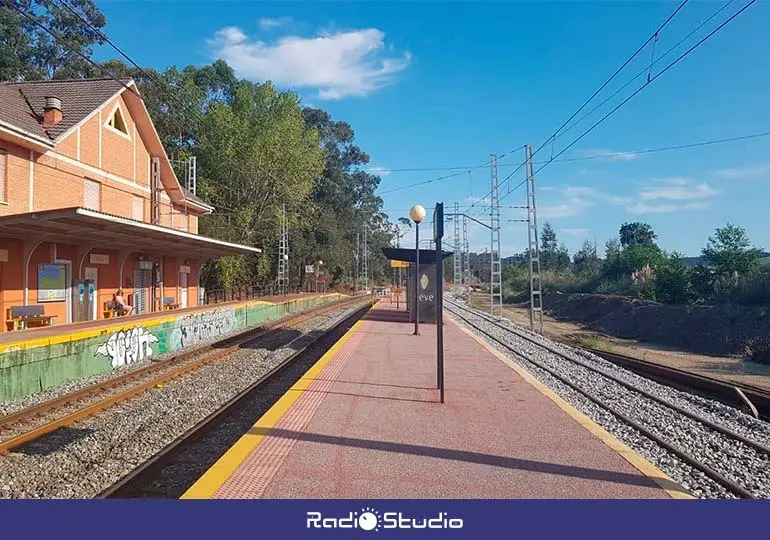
(120, 304)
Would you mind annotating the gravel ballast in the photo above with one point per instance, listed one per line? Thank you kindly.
(733, 459)
(82, 460)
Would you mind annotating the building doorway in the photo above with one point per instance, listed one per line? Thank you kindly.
(140, 291)
(93, 275)
(183, 290)
(69, 307)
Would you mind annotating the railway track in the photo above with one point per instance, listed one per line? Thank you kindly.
(144, 482)
(755, 400)
(609, 392)
(32, 423)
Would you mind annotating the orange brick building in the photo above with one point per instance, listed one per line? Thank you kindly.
(90, 203)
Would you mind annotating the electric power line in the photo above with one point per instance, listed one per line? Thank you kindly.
(649, 81)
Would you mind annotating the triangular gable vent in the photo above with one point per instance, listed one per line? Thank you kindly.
(117, 122)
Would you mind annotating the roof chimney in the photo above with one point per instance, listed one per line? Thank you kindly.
(52, 112)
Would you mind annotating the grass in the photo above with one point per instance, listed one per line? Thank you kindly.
(595, 342)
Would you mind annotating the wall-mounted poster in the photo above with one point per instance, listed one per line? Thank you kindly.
(51, 283)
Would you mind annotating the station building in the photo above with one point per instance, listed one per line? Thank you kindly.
(90, 203)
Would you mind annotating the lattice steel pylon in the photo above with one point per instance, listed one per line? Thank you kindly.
(365, 259)
(466, 253)
(496, 274)
(535, 290)
(358, 262)
(458, 256)
(283, 254)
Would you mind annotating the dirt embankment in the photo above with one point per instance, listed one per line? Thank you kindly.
(709, 330)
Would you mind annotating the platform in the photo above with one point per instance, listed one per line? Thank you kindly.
(366, 422)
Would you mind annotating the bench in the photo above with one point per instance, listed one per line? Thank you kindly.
(110, 311)
(21, 317)
(169, 302)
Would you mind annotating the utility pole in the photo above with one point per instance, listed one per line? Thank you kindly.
(358, 266)
(366, 262)
(283, 253)
(458, 255)
(466, 253)
(535, 285)
(495, 285)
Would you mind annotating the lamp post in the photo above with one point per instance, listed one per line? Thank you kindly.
(318, 271)
(417, 213)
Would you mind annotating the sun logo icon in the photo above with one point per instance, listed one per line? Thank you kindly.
(369, 520)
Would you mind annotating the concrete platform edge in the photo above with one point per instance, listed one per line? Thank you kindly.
(673, 489)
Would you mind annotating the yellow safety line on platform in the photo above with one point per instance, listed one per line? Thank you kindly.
(674, 490)
(208, 484)
(126, 323)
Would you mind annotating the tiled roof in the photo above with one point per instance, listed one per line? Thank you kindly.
(23, 103)
(189, 195)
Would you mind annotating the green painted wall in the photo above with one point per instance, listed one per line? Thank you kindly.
(25, 370)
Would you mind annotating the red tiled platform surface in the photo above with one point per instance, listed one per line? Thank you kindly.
(371, 426)
(64, 328)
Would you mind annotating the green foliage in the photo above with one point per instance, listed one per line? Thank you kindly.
(673, 281)
(729, 252)
(30, 53)
(587, 262)
(632, 234)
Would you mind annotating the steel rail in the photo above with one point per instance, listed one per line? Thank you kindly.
(126, 485)
(726, 392)
(199, 358)
(631, 386)
(684, 456)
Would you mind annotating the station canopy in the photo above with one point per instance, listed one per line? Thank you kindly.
(427, 256)
(84, 227)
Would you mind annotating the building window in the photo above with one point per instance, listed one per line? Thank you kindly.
(3, 169)
(137, 208)
(117, 122)
(92, 192)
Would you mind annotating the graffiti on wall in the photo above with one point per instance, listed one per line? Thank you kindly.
(198, 328)
(128, 346)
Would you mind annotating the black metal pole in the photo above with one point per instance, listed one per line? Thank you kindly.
(440, 318)
(417, 282)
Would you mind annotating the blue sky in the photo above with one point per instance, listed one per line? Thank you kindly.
(444, 84)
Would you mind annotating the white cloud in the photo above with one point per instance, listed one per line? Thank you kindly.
(747, 171)
(578, 231)
(675, 181)
(380, 171)
(612, 155)
(678, 192)
(569, 208)
(337, 65)
(642, 208)
(268, 24)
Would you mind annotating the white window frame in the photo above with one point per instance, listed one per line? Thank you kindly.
(134, 199)
(123, 114)
(86, 180)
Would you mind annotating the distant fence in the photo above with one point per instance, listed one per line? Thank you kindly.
(247, 292)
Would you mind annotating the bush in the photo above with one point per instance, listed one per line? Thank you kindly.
(757, 349)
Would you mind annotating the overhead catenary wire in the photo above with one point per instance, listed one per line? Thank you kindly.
(101, 35)
(36, 21)
(648, 82)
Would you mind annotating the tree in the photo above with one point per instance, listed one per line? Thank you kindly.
(729, 252)
(30, 53)
(632, 234)
(673, 281)
(256, 154)
(586, 261)
(548, 247)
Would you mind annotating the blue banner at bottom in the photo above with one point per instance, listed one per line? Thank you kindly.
(387, 518)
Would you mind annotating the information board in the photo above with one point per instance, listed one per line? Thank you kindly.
(51, 283)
